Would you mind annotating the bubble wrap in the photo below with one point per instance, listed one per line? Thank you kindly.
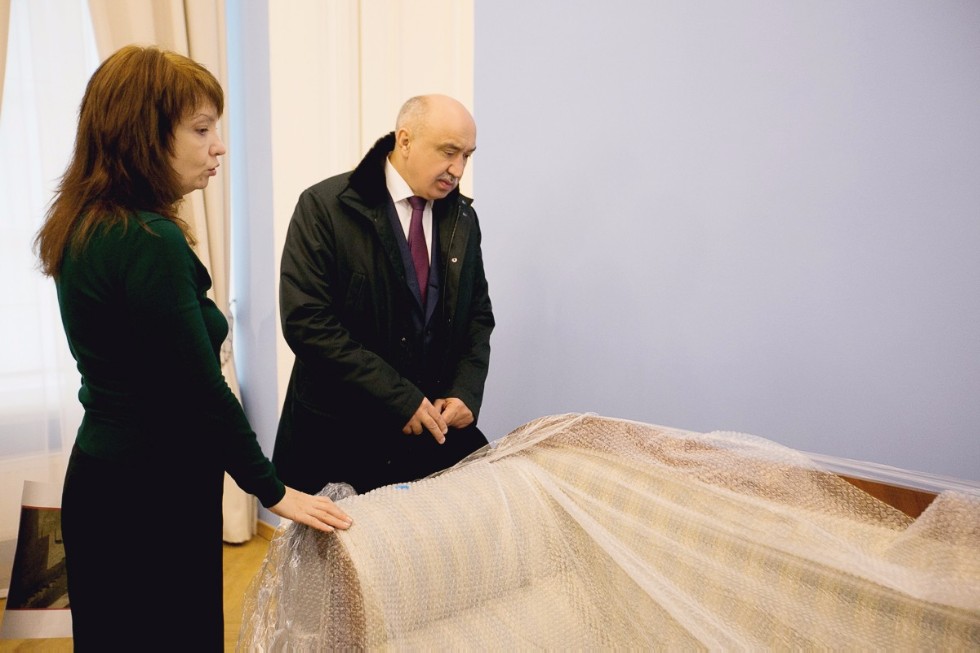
(583, 532)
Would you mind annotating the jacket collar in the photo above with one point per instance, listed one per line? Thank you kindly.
(368, 178)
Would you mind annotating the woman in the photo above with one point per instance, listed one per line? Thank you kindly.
(161, 425)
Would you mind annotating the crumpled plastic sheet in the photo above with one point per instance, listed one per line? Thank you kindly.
(585, 532)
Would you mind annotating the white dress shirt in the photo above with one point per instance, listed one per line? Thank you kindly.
(400, 191)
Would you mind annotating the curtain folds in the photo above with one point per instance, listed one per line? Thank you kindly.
(195, 29)
(4, 26)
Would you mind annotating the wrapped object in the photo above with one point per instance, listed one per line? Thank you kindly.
(584, 532)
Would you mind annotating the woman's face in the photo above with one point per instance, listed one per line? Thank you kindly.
(197, 147)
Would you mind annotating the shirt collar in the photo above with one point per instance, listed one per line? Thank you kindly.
(398, 188)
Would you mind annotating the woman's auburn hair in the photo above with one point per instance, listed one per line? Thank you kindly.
(121, 162)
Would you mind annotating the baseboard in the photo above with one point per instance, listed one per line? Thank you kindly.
(265, 530)
(907, 490)
(893, 476)
(911, 501)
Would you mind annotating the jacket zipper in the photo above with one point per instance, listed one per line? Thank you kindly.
(449, 250)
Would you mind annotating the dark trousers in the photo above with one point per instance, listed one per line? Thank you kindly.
(144, 553)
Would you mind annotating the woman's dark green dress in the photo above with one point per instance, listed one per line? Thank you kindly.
(141, 509)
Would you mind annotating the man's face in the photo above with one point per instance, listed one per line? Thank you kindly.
(436, 155)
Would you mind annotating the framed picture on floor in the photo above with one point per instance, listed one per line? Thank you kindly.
(37, 601)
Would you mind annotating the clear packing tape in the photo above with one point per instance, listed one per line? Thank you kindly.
(583, 532)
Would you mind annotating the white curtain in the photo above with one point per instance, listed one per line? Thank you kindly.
(39, 409)
(195, 29)
(4, 22)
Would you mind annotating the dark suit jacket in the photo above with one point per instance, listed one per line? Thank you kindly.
(366, 350)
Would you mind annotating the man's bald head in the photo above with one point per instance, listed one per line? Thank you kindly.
(418, 111)
(434, 138)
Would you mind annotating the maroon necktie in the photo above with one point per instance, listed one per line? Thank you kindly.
(416, 243)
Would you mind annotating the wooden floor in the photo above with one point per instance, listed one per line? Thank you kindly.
(241, 563)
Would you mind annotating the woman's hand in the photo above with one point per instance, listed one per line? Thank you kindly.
(317, 512)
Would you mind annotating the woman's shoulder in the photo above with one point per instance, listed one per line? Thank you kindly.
(159, 231)
(152, 237)
(135, 229)
(159, 225)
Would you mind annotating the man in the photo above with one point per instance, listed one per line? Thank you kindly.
(390, 321)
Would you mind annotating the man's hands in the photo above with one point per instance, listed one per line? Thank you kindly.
(437, 418)
(427, 418)
(317, 512)
(455, 412)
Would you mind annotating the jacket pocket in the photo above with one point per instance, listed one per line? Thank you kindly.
(354, 299)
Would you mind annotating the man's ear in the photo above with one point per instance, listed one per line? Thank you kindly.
(403, 141)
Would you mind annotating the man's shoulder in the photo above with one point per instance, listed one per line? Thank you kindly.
(323, 198)
(330, 200)
(331, 187)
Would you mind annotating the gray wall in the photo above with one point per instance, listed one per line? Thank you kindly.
(750, 216)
